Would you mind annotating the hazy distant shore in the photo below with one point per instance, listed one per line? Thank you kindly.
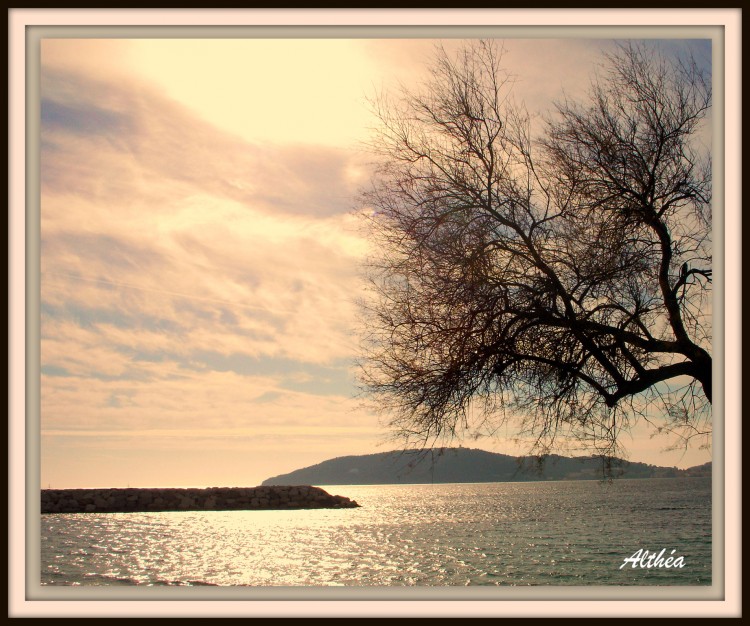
(131, 500)
(466, 465)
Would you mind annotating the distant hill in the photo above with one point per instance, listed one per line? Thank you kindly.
(466, 465)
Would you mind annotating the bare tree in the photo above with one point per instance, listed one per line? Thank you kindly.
(564, 280)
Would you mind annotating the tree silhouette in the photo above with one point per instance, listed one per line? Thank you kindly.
(565, 279)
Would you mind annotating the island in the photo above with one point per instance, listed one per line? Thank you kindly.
(133, 500)
(467, 465)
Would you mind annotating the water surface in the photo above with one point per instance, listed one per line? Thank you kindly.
(538, 533)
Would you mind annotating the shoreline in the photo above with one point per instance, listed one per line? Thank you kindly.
(156, 499)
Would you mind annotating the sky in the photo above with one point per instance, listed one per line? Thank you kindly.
(201, 251)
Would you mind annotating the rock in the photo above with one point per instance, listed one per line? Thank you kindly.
(214, 498)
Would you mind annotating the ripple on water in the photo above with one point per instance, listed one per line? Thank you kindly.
(573, 533)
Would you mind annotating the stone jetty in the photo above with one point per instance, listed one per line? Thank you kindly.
(173, 499)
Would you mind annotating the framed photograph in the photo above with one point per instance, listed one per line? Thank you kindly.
(370, 312)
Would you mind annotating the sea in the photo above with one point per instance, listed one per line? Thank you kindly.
(555, 533)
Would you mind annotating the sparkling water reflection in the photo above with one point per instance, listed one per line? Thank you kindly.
(559, 533)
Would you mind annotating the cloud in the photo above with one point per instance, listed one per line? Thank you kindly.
(107, 140)
(83, 120)
(189, 277)
(206, 408)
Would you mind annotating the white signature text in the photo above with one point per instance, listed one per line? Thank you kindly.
(644, 558)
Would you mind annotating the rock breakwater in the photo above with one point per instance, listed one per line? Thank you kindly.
(173, 499)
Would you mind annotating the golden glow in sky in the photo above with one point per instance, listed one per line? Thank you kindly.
(279, 90)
